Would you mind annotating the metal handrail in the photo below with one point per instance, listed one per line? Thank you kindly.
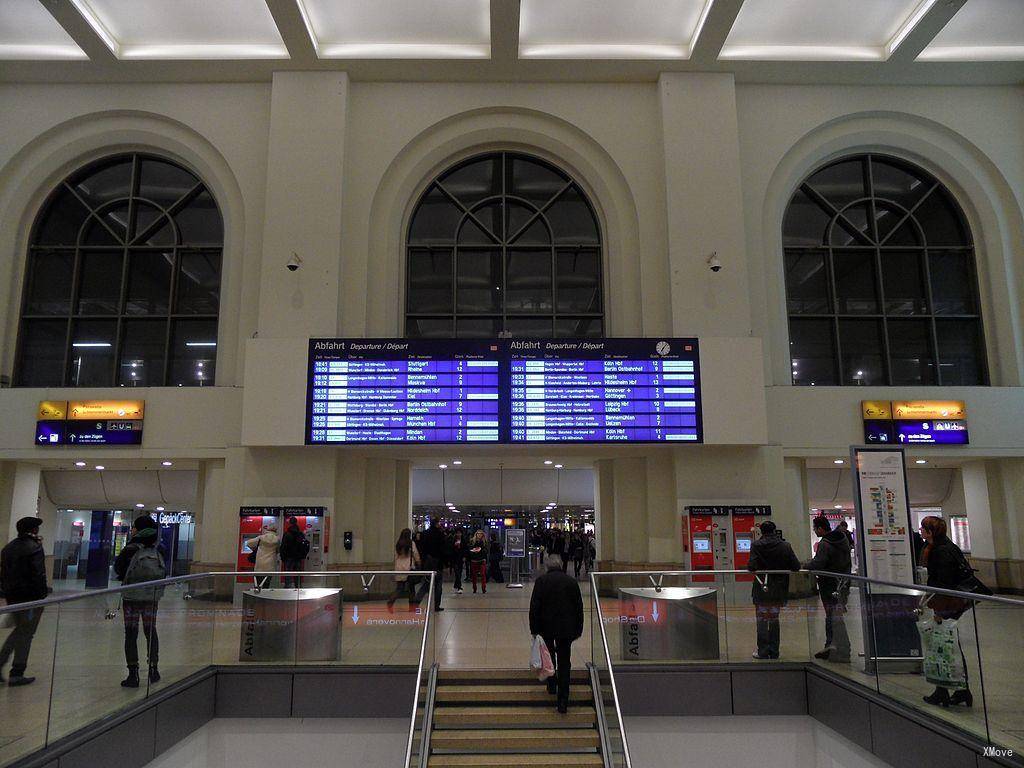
(602, 723)
(72, 596)
(917, 587)
(611, 676)
(428, 716)
(419, 668)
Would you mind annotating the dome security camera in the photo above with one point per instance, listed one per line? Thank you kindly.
(294, 262)
(714, 263)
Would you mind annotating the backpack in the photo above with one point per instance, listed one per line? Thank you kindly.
(147, 564)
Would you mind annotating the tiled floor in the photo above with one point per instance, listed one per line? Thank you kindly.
(78, 652)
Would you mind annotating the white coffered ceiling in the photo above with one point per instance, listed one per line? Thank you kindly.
(823, 41)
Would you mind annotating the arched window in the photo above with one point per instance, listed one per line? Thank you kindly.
(881, 285)
(504, 243)
(122, 285)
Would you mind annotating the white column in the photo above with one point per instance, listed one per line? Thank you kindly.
(303, 204)
(704, 204)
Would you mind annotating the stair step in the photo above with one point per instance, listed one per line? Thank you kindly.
(532, 760)
(506, 739)
(460, 717)
(498, 676)
(504, 694)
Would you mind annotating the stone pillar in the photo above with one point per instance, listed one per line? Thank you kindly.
(796, 508)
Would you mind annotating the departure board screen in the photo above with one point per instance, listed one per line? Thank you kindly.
(503, 391)
(402, 391)
(605, 390)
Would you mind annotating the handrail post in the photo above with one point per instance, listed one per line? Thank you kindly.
(611, 676)
(419, 671)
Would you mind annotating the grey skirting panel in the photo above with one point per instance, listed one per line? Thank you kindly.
(135, 736)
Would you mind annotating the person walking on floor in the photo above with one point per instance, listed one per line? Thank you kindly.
(267, 547)
(432, 548)
(407, 558)
(458, 560)
(559, 546)
(770, 553)
(556, 614)
(495, 553)
(947, 568)
(141, 561)
(832, 555)
(294, 550)
(478, 560)
(576, 551)
(23, 580)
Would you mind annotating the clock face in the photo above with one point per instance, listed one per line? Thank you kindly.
(662, 348)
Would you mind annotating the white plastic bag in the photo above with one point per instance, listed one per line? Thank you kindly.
(943, 660)
(540, 659)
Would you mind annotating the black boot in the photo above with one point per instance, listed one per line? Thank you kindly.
(964, 697)
(939, 697)
(154, 674)
(552, 685)
(563, 706)
(132, 681)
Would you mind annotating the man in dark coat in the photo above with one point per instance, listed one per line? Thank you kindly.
(23, 580)
(432, 546)
(140, 606)
(556, 614)
(770, 592)
(833, 555)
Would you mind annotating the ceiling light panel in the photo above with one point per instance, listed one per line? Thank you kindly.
(185, 29)
(820, 30)
(610, 29)
(399, 29)
(982, 30)
(28, 31)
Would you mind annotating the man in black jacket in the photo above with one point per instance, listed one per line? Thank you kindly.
(770, 553)
(556, 614)
(293, 551)
(23, 579)
(140, 605)
(432, 546)
(833, 555)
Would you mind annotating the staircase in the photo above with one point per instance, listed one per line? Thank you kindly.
(488, 718)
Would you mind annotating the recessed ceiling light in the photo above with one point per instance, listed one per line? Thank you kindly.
(100, 466)
(920, 461)
(140, 505)
(159, 509)
(839, 506)
(548, 461)
(79, 463)
(457, 463)
(442, 466)
(837, 461)
(558, 466)
(167, 463)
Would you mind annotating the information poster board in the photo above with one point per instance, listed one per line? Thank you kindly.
(883, 514)
(515, 542)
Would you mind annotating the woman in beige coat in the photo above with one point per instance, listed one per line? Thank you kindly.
(266, 546)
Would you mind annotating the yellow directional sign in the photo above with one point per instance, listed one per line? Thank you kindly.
(52, 410)
(929, 409)
(91, 410)
(876, 409)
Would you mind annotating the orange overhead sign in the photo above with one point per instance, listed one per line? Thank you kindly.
(52, 410)
(876, 409)
(929, 409)
(79, 410)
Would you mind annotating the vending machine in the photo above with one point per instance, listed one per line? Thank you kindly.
(313, 522)
(719, 538)
(745, 522)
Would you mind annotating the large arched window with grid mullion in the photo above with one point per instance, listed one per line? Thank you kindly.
(122, 286)
(504, 244)
(881, 285)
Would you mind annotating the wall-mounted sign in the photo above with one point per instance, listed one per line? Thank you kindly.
(89, 422)
(282, 511)
(176, 518)
(760, 510)
(915, 422)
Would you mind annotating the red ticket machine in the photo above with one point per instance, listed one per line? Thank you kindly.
(702, 525)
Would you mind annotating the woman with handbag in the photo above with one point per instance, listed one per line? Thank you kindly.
(265, 548)
(407, 558)
(947, 569)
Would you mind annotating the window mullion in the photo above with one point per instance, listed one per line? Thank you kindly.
(930, 308)
(909, 214)
(886, 358)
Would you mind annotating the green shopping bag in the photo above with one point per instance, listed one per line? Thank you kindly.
(943, 660)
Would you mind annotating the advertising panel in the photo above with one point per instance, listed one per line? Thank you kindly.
(880, 487)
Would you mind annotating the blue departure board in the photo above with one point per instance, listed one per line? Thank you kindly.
(401, 391)
(607, 390)
(503, 391)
